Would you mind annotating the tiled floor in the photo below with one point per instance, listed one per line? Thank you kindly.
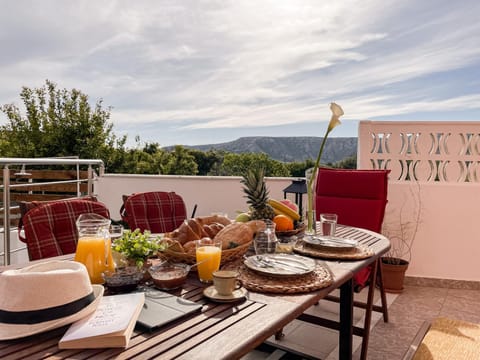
(391, 340)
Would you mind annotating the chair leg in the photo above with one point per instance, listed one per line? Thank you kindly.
(368, 312)
(382, 291)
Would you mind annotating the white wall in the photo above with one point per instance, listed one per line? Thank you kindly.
(210, 193)
(434, 167)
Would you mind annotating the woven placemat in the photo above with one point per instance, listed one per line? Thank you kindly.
(318, 279)
(357, 253)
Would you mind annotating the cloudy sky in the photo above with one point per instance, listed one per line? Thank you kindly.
(198, 72)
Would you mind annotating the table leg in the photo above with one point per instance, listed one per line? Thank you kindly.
(346, 321)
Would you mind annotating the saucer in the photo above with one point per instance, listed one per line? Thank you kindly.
(211, 293)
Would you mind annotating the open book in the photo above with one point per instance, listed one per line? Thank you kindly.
(111, 325)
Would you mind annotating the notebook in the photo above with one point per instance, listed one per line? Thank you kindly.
(160, 308)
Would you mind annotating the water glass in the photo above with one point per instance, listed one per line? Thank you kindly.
(328, 224)
(116, 231)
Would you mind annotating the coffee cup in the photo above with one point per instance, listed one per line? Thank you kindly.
(226, 282)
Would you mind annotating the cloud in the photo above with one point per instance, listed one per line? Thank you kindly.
(228, 64)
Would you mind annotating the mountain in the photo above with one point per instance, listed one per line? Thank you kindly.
(288, 149)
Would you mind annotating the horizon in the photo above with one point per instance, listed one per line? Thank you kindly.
(191, 73)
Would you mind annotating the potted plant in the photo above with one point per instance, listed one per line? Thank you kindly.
(401, 231)
(135, 247)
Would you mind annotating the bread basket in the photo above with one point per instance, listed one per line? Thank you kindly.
(188, 258)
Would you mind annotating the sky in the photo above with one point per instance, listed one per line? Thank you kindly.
(202, 72)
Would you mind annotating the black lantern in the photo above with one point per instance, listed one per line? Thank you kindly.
(297, 187)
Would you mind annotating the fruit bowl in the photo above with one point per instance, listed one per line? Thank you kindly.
(300, 229)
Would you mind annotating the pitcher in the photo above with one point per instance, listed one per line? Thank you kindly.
(265, 241)
(94, 245)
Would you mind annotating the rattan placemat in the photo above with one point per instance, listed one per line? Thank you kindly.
(357, 253)
(318, 279)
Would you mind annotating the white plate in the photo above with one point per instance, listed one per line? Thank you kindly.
(280, 264)
(331, 242)
(211, 293)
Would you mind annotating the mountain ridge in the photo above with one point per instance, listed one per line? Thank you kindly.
(287, 148)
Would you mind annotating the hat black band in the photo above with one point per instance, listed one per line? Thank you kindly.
(48, 314)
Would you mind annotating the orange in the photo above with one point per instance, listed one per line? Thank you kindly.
(283, 223)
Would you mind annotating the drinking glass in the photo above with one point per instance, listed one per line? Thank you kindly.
(208, 254)
(116, 231)
(94, 246)
(328, 223)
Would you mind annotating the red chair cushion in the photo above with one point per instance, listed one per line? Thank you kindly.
(25, 206)
(358, 197)
(50, 229)
(156, 211)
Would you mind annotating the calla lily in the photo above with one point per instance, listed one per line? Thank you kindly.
(337, 111)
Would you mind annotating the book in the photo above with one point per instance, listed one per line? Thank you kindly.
(111, 325)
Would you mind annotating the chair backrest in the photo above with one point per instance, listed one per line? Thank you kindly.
(358, 197)
(50, 229)
(25, 206)
(156, 211)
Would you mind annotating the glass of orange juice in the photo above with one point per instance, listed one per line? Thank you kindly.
(208, 254)
(94, 246)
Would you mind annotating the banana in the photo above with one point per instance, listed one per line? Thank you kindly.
(283, 209)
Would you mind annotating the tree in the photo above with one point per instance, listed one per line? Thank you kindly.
(56, 123)
(181, 163)
(208, 162)
(238, 164)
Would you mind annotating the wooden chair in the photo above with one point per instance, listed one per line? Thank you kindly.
(156, 211)
(359, 198)
(50, 228)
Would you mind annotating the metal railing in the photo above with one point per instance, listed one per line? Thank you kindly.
(6, 187)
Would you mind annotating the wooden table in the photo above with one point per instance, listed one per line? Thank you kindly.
(219, 331)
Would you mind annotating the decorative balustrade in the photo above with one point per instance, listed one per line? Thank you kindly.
(422, 151)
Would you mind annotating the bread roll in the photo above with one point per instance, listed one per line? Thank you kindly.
(234, 235)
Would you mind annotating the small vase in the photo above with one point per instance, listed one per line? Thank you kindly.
(310, 213)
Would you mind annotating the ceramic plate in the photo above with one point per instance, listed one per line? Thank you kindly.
(331, 242)
(211, 293)
(280, 264)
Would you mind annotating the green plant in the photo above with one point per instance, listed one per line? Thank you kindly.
(136, 246)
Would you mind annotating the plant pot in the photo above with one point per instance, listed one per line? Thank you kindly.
(393, 274)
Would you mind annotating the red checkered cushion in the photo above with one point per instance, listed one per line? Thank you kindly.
(156, 211)
(25, 206)
(358, 197)
(50, 229)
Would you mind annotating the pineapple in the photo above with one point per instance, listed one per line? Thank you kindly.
(257, 195)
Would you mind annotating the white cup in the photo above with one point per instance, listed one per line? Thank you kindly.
(328, 224)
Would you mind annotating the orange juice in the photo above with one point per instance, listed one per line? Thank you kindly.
(210, 255)
(95, 254)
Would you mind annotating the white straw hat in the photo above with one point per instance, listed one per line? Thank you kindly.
(45, 296)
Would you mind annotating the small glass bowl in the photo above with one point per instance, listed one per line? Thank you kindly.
(123, 279)
(169, 276)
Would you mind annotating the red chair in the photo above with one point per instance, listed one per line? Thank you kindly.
(156, 211)
(50, 228)
(359, 198)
